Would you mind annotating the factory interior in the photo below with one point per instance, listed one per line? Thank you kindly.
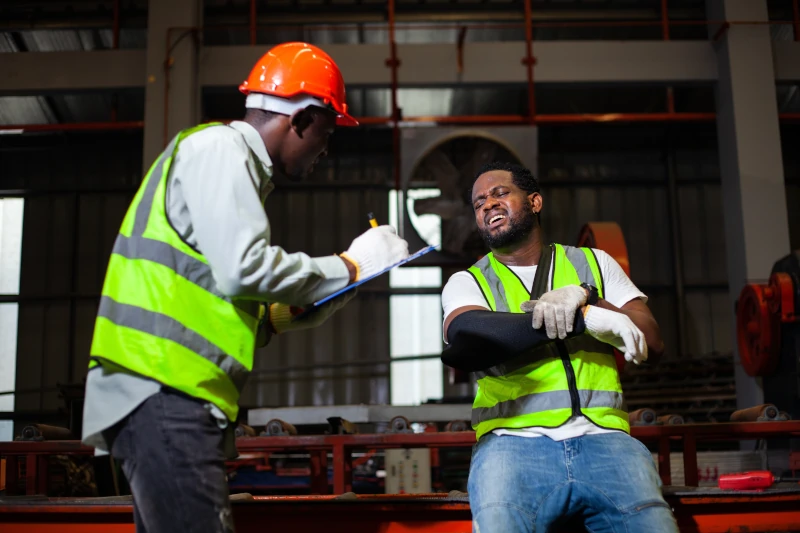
(665, 133)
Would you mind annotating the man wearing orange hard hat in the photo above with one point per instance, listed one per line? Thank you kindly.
(183, 303)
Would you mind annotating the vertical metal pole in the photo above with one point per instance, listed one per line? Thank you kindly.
(394, 63)
(664, 465)
(796, 19)
(31, 465)
(529, 61)
(41, 473)
(677, 244)
(665, 36)
(115, 45)
(339, 469)
(12, 475)
(253, 21)
(115, 29)
(73, 282)
(690, 459)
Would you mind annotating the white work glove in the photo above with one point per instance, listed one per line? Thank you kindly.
(617, 330)
(556, 309)
(280, 315)
(376, 249)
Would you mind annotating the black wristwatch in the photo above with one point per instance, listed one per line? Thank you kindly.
(593, 295)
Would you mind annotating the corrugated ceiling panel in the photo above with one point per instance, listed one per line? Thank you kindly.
(25, 110)
(7, 44)
(57, 40)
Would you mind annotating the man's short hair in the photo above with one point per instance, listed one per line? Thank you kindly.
(258, 117)
(522, 177)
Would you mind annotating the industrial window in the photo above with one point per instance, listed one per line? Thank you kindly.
(416, 319)
(10, 252)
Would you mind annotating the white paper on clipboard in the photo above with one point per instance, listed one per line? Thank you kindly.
(313, 307)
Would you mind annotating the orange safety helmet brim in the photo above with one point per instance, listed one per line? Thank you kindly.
(291, 69)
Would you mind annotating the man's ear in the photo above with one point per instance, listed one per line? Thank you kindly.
(300, 120)
(536, 201)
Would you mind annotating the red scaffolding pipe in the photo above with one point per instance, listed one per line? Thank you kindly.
(796, 19)
(505, 25)
(394, 63)
(554, 119)
(665, 36)
(115, 26)
(253, 22)
(529, 60)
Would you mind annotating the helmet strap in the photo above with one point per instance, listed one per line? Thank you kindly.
(282, 106)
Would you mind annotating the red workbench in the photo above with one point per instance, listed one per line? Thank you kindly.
(341, 447)
(698, 510)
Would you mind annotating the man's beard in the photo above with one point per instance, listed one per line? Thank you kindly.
(517, 230)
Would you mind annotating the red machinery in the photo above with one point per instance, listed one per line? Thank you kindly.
(768, 329)
(761, 311)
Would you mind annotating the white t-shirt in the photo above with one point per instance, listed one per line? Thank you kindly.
(461, 290)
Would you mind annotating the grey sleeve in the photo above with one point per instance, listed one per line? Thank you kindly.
(220, 187)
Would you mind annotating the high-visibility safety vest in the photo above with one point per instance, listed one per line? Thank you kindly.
(161, 314)
(553, 382)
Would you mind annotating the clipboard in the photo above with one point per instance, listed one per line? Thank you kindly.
(313, 307)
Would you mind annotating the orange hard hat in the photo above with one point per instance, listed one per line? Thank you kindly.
(293, 69)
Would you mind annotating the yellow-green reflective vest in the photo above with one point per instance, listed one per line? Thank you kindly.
(161, 314)
(552, 383)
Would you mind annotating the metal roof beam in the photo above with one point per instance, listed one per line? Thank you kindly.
(41, 72)
(558, 62)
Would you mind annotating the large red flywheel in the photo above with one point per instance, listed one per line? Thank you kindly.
(759, 313)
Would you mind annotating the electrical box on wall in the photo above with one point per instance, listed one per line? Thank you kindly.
(408, 471)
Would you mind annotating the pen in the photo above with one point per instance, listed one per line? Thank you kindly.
(372, 221)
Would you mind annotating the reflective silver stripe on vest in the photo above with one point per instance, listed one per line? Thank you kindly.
(547, 401)
(584, 343)
(165, 327)
(574, 255)
(495, 285)
(146, 201)
(183, 264)
(581, 264)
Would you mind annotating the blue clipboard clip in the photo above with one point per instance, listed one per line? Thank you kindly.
(316, 305)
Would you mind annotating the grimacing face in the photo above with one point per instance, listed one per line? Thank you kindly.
(504, 213)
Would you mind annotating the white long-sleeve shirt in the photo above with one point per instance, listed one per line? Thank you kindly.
(218, 183)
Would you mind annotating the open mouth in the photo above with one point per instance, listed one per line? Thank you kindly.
(496, 221)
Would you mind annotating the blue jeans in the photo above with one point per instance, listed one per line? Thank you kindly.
(533, 485)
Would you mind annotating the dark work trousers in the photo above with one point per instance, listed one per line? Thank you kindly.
(171, 453)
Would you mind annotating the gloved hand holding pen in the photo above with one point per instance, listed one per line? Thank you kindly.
(374, 250)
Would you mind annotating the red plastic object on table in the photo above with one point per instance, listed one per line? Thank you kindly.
(754, 480)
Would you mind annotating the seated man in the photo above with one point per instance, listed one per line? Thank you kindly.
(551, 422)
